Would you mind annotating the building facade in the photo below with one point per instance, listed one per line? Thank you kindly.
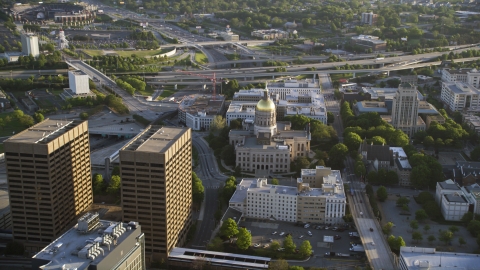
(454, 206)
(49, 179)
(302, 87)
(257, 199)
(401, 166)
(369, 18)
(472, 193)
(414, 258)
(464, 75)
(94, 244)
(198, 111)
(155, 168)
(78, 82)
(370, 42)
(405, 109)
(270, 34)
(311, 105)
(458, 96)
(30, 44)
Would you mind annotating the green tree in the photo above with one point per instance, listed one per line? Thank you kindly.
(274, 181)
(402, 201)
(198, 191)
(387, 228)
(216, 244)
(352, 141)
(445, 236)
(337, 155)
(372, 177)
(229, 228)
(280, 264)
(421, 215)
(218, 123)
(289, 245)
(382, 194)
(428, 141)
(295, 267)
(38, 117)
(360, 168)
(274, 246)
(414, 224)
(426, 228)
(424, 197)
(330, 117)
(377, 140)
(417, 236)
(461, 241)
(114, 185)
(244, 239)
(431, 238)
(84, 116)
(305, 249)
(474, 227)
(391, 178)
(453, 229)
(98, 184)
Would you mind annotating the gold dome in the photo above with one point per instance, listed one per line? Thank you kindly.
(265, 105)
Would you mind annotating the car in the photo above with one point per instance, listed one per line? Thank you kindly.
(335, 228)
(282, 233)
(309, 233)
(271, 240)
(326, 228)
(266, 245)
(281, 249)
(256, 245)
(300, 237)
(273, 233)
(307, 226)
(337, 237)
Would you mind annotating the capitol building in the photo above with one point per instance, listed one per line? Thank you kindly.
(267, 145)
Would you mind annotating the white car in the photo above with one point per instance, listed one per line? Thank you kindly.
(282, 234)
(281, 249)
(266, 245)
(307, 226)
(300, 237)
(273, 233)
(256, 245)
(309, 233)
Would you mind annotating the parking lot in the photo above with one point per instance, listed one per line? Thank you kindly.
(262, 230)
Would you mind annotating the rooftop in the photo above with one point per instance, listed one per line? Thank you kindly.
(402, 160)
(455, 198)
(461, 88)
(195, 104)
(155, 139)
(45, 131)
(294, 83)
(220, 258)
(417, 258)
(76, 249)
(78, 72)
(449, 184)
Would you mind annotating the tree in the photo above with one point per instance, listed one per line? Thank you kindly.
(414, 224)
(387, 228)
(274, 246)
(417, 236)
(278, 265)
(229, 228)
(98, 184)
(289, 245)
(421, 215)
(360, 168)
(425, 197)
(84, 116)
(453, 229)
(431, 238)
(372, 177)
(330, 117)
(461, 241)
(428, 141)
(218, 123)
(38, 117)
(114, 185)
(336, 155)
(377, 140)
(445, 236)
(216, 244)
(474, 227)
(391, 178)
(382, 194)
(296, 267)
(244, 239)
(400, 242)
(274, 181)
(402, 201)
(426, 228)
(352, 141)
(305, 249)
(198, 191)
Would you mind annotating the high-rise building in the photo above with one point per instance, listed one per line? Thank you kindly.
(49, 178)
(30, 44)
(78, 82)
(369, 18)
(94, 244)
(405, 109)
(156, 171)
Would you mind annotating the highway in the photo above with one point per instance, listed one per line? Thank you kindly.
(212, 179)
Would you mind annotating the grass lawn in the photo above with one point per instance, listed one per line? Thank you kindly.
(413, 42)
(148, 91)
(10, 127)
(201, 58)
(143, 53)
(44, 103)
(338, 76)
(304, 76)
(56, 91)
(166, 93)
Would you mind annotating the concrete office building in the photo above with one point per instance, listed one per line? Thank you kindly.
(265, 144)
(30, 44)
(257, 199)
(156, 171)
(270, 34)
(415, 258)
(78, 82)
(49, 179)
(369, 18)
(198, 111)
(94, 244)
(405, 109)
(311, 105)
(370, 42)
(472, 194)
(460, 96)
(301, 86)
(465, 75)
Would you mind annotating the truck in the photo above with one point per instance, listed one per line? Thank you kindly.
(357, 248)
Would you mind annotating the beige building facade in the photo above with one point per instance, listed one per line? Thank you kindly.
(49, 179)
(156, 171)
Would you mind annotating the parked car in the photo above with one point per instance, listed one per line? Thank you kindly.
(326, 228)
(256, 245)
(337, 237)
(273, 233)
(266, 245)
(307, 226)
(300, 237)
(309, 233)
(281, 249)
(282, 233)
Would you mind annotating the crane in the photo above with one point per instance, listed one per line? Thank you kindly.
(213, 79)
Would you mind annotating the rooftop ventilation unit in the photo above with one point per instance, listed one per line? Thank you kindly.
(88, 222)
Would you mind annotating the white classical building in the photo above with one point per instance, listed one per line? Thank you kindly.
(257, 199)
(459, 96)
(452, 200)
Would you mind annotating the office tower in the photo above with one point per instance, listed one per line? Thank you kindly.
(156, 171)
(405, 109)
(78, 82)
(369, 18)
(95, 244)
(49, 178)
(30, 44)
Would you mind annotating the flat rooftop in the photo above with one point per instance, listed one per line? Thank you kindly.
(45, 131)
(449, 184)
(462, 88)
(202, 103)
(155, 139)
(78, 72)
(417, 258)
(62, 253)
(455, 198)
